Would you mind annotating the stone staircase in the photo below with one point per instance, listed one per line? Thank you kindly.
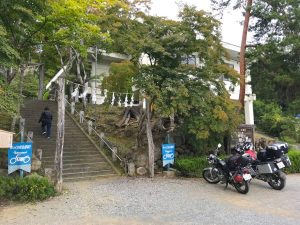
(81, 158)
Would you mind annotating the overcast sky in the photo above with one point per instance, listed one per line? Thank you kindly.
(231, 27)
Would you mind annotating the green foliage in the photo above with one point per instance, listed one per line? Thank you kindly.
(30, 188)
(8, 99)
(294, 156)
(191, 166)
(8, 54)
(120, 77)
(270, 119)
(19, 20)
(275, 60)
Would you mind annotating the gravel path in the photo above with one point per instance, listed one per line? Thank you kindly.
(161, 201)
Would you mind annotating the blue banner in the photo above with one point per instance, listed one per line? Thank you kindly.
(19, 157)
(168, 153)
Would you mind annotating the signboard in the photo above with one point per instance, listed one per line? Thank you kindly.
(19, 157)
(168, 152)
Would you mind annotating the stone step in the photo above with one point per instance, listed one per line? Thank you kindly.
(87, 165)
(70, 153)
(87, 176)
(74, 160)
(74, 156)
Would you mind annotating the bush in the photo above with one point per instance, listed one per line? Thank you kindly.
(295, 159)
(191, 166)
(30, 188)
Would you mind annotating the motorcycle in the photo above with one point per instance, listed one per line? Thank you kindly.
(268, 164)
(222, 171)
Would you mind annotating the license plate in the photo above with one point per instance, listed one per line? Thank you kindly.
(247, 176)
(280, 165)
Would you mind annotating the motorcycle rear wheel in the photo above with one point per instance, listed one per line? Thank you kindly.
(210, 176)
(242, 187)
(277, 180)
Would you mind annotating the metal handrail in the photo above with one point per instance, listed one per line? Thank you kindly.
(101, 138)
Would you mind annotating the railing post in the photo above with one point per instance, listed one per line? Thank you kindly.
(22, 130)
(29, 136)
(39, 153)
(13, 124)
(22, 127)
(81, 116)
(90, 126)
(114, 154)
(101, 138)
(72, 108)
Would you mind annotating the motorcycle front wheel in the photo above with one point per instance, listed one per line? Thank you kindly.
(277, 180)
(242, 187)
(211, 176)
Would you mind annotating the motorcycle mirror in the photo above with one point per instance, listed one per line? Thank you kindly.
(219, 145)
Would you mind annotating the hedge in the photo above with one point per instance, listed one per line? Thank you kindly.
(191, 166)
(29, 189)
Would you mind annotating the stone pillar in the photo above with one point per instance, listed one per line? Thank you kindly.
(72, 108)
(81, 116)
(22, 128)
(90, 126)
(29, 136)
(39, 153)
(131, 169)
(101, 138)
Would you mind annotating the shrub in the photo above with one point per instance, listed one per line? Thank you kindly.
(6, 186)
(30, 188)
(191, 166)
(295, 159)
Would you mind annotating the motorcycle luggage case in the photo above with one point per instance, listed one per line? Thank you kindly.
(266, 168)
(283, 146)
(275, 151)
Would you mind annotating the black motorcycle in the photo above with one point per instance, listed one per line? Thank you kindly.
(269, 163)
(234, 171)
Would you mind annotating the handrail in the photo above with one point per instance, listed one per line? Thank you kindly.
(100, 136)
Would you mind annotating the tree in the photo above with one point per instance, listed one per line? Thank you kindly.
(275, 57)
(20, 28)
(194, 94)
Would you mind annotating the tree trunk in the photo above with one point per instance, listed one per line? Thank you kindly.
(58, 163)
(21, 84)
(41, 81)
(242, 53)
(141, 129)
(10, 75)
(150, 141)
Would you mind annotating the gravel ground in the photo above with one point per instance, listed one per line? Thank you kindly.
(160, 200)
